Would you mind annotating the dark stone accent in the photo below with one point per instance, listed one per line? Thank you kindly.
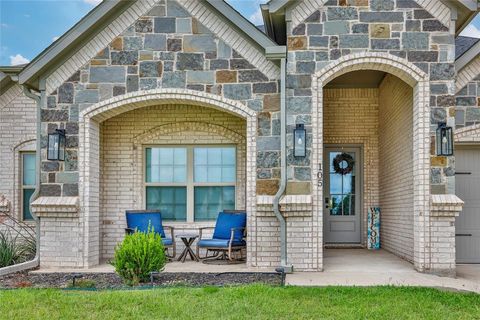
(466, 101)
(299, 81)
(302, 173)
(264, 124)
(299, 104)
(422, 14)
(165, 25)
(51, 127)
(74, 77)
(132, 83)
(51, 102)
(196, 87)
(342, 13)
(71, 128)
(238, 64)
(71, 160)
(380, 5)
(436, 175)
(251, 76)
(445, 101)
(334, 42)
(406, 4)
(314, 29)
(298, 161)
(434, 25)
(264, 174)
(190, 61)
(124, 57)
(385, 44)
(438, 88)
(353, 41)
(71, 141)
(50, 190)
(360, 28)
(50, 166)
(150, 69)
(268, 159)
(217, 64)
(132, 69)
(314, 17)
(335, 54)
(118, 90)
(65, 93)
(415, 40)
(147, 83)
(168, 66)
(54, 115)
(144, 25)
(442, 71)
(425, 56)
(299, 30)
(413, 25)
(321, 55)
(51, 177)
(174, 45)
(302, 92)
(318, 41)
(438, 115)
(366, 16)
(306, 67)
(422, 65)
(70, 189)
(400, 54)
(266, 87)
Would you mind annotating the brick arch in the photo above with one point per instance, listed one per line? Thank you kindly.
(417, 79)
(469, 134)
(89, 152)
(187, 126)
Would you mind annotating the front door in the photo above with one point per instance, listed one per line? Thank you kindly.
(342, 195)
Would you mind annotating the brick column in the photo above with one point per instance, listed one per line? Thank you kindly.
(60, 228)
(444, 209)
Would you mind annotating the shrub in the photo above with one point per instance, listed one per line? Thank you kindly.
(9, 251)
(138, 255)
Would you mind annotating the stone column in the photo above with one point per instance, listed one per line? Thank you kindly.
(443, 211)
(60, 232)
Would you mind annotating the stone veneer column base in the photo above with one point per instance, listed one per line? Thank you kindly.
(60, 232)
(444, 209)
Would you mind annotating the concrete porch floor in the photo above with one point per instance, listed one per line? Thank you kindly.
(360, 267)
(343, 267)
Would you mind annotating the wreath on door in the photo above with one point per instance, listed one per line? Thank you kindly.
(343, 164)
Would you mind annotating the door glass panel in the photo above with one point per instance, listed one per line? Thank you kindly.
(342, 185)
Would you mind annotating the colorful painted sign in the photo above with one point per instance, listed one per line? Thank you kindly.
(373, 234)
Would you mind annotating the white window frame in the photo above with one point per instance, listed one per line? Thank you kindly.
(190, 184)
(23, 186)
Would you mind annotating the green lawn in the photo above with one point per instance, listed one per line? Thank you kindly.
(249, 302)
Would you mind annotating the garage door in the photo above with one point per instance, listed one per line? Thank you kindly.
(467, 182)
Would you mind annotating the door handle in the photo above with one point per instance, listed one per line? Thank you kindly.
(328, 202)
(463, 235)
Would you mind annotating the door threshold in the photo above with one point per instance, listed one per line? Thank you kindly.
(344, 246)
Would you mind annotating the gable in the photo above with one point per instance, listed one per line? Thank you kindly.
(200, 10)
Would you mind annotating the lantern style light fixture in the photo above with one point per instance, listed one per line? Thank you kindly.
(444, 140)
(300, 141)
(56, 145)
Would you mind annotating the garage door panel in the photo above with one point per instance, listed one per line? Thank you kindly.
(467, 185)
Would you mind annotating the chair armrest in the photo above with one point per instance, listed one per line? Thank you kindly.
(129, 230)
(172, 231)
(232, 233)
(200, 231)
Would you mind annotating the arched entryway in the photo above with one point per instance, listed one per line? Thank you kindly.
(115, 134)
(409, 161)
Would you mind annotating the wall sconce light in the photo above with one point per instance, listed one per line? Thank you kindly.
(300, 141)
(56, 145)
(444, 140)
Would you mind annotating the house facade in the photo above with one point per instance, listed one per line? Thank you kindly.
(186, 107)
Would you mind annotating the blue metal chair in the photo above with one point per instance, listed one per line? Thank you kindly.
(228, 236)
(140, 220)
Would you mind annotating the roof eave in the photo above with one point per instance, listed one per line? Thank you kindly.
(467, 57)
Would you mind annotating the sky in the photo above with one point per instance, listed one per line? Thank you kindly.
(27, 27)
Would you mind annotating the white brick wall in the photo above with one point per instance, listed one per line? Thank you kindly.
(396, 170)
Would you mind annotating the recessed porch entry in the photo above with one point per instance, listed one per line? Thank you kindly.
(342, 194)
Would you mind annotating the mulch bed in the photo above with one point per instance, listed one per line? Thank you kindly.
(25, 279)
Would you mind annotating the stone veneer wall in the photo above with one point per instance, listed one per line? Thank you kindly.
(395, 170)
(339, 28)
(122, 166)
(17, 134)
(351, 117)
(467, 100)
(165, 48)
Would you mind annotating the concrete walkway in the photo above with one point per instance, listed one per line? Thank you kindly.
(359, 267)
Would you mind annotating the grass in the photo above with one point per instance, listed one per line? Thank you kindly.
(248, 302)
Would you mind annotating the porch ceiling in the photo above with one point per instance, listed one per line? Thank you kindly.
(358, 79)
